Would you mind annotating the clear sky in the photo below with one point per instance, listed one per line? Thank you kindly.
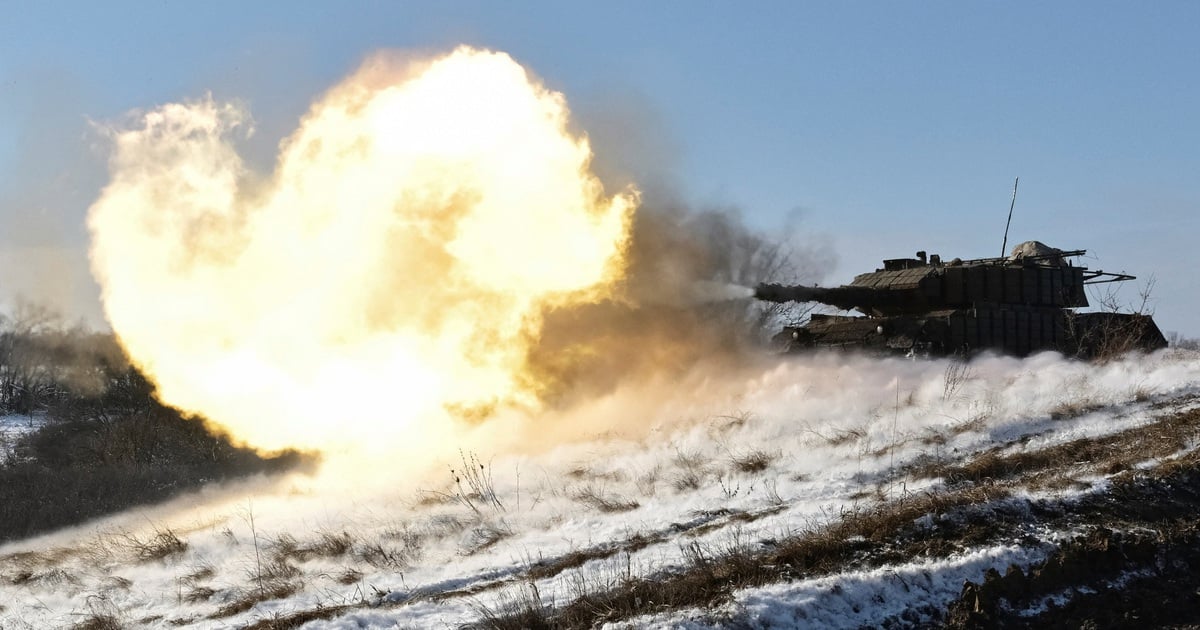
(885, 127)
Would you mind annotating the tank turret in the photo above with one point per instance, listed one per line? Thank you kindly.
(1017, 304)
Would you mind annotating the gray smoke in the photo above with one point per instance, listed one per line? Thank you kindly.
(685, 298)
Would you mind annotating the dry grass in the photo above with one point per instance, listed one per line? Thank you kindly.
(597, 499)
(380, 555)
(275, 570)
(588, 473)
(842, 437)
(710, 575)
(48, 577)
(1057, 466)
(976, 508)
(1073, 408)
(332, 545)
(970, 425)
(99, 622)
(647, 482)
(116, 583)
(692, 469)
(399, 547)
(275, 590)
(327, 545)
(199, 594)
(295, 620)
(474, 486)
(164, 543)
(200, 572)
(956, 375)
(349, 576)
(519, 608)
(754, 461)
(485, 535)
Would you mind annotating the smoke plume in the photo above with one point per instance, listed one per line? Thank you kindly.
(683, 302)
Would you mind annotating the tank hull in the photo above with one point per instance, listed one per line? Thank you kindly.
(1016, 331)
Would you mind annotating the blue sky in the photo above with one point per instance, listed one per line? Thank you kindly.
(885, 127)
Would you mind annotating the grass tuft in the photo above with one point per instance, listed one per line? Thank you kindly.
(163, 544)
(597, 499)
(754, 461)
(99, 622)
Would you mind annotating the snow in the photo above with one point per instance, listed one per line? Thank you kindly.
(909, 593)
(836, 428)
(13, 426)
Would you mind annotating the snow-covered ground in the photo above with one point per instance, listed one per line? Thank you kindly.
(13, 426)
(714, 461)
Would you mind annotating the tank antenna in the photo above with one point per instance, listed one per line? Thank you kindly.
(1004, 245)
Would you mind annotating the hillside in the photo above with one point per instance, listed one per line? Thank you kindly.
(818, 491)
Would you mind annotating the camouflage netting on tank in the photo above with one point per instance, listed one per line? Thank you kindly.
(1037, 249)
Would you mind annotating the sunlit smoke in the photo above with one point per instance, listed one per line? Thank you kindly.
(711, 291)
(389, 274)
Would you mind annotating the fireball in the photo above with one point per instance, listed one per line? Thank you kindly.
(387, 277)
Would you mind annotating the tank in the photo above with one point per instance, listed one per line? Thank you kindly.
(1018, 304)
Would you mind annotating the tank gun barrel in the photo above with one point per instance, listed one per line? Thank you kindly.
(844, 297)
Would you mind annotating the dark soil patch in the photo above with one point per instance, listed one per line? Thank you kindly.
(1104, 579)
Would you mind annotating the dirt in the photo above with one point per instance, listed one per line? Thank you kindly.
(1135, 564)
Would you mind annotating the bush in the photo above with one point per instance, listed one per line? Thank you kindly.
(78, 468)
(107, 443)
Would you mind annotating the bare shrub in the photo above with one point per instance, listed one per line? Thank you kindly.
(730, 487)
(473, 484)
(958, 372)
(108, 450)
(1108, 335)
(1180, 342)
